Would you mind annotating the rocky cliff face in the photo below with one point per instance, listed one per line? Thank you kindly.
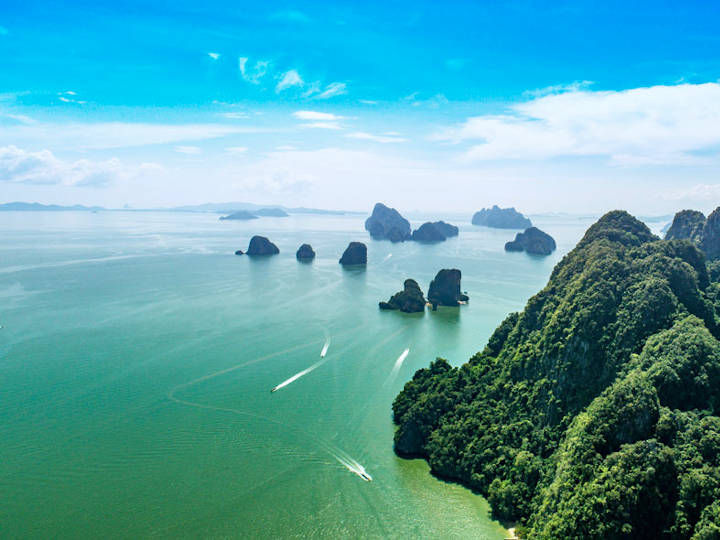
(409, 300)
(445, 289)
(533, 241)
(501, 218)
(305, 253)
(686, 224)
(710, 242)
(355, 254)
(387, 224)
(259, 245)
(704, 233)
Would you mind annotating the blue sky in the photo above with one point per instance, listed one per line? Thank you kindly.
(422, 104)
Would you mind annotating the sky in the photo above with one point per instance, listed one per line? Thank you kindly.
(577, 106)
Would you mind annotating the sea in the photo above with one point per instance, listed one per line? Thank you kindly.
(138, 355)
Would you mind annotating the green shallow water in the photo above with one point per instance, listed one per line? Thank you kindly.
(138, 354)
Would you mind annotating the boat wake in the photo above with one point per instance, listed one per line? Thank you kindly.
(298, 375)
(342, 457)
(398, 364)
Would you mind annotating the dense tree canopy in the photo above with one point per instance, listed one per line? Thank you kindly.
(594, 412)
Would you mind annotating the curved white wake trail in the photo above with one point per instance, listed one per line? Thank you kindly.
(397, 366)
(387, 257)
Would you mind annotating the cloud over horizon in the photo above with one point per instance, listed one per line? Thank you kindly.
(654, 125)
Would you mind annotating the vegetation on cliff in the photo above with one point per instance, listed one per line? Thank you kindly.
(594, 412)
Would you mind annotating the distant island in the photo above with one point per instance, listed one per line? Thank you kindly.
(532, 241)
(241, 215)
(37, 207)
(387, 224)
(437, 231)
(271, 212)
(594, 412)
(224, 208)
(501, 218)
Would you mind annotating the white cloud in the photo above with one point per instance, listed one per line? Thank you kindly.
(653, 125)
(235, 115)
(105, 135)
(559, 89)
(43, 167)
(289, 79)
(253, 74)
(236, 149)
(191, 150)
(368, 101)
(375, 138)
(698, 192)
(322, 125)
(214, 55)
(333, 89)
(316, 115)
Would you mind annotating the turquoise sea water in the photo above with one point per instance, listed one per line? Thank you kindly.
(137, 356)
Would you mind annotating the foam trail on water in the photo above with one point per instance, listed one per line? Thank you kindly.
(298, 375)
(387, 257)
(325, 349)
(354, 467)
(398, 365)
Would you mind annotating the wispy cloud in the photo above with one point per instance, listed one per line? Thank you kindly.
(235, 115)
(255, 72)
(106, 135)
(333, 89)
(288, 80)
(191, 150)
(375, 138)
(236, 149)
(214, 55)
(432, 102)
(642, 126)
(316, 115)
(322, 125)
(44, 168)
(558, 89)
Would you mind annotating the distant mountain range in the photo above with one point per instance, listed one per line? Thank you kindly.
(37, 207)
(217, 208)
(226, 208)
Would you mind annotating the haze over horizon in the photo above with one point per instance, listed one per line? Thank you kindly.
(576, 107)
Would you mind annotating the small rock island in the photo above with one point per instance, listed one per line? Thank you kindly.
(437, 231)
(387, 224)
(272, 212)
(305, 253)
(445, 289)
(354, 255)
(259, 245)
(501, 218)
(241, 215)
(409, 300)
(532, 241)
